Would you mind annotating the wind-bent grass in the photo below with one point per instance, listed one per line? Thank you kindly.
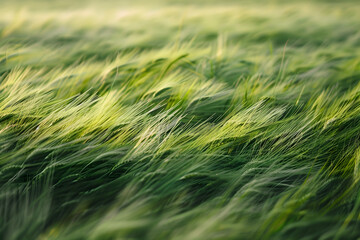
(179, 120)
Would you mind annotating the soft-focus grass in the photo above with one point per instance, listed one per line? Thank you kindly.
(179, 120)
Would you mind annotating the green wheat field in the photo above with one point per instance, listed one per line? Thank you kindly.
(186, 120)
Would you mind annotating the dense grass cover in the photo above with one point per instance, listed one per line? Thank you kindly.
(179, 120)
